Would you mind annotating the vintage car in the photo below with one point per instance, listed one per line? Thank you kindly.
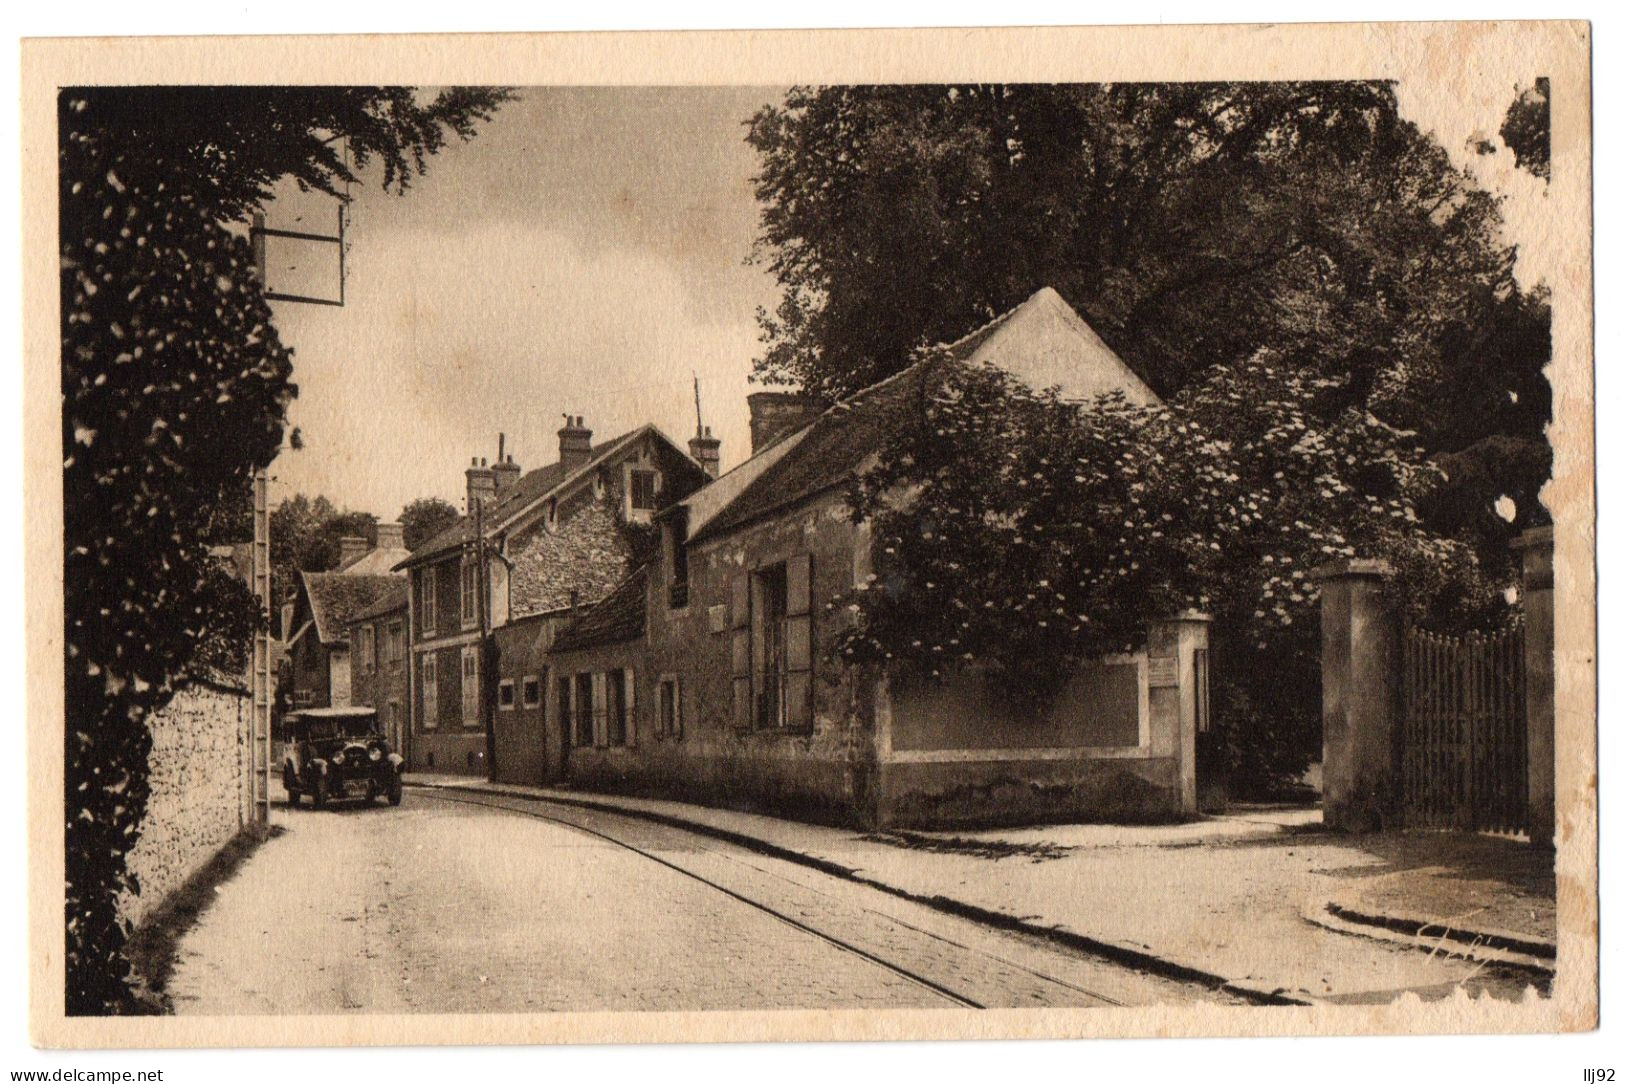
(332, 753)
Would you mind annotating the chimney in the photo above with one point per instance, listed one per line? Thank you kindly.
(351, 550)
(706, 450)
(505, 469)
(575, 443)
(777, 414)
(482, 483)
(391, 536)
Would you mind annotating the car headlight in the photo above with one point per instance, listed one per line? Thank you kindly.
(338, 757)
(375, 753)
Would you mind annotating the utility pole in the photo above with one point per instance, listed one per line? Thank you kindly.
(260, 743)
(482, 592)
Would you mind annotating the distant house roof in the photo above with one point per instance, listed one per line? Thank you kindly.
(377, 562)
(524, 494)
(392, 599)
(620, 617)
(1043, 341)
(337, 597)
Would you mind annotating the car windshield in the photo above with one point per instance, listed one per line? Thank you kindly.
(329, 729)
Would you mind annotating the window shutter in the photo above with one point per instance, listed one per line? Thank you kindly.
(566, 716)
(600, 708)
(630, 685)
(740, 620)
(798, 643)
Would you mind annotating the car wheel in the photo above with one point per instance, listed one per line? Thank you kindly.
(395, 791)
(318, 793)
(289, 785)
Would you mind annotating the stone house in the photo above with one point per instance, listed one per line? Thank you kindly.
(377, 640)
(324, 603)
(729, 694)
(556, 540)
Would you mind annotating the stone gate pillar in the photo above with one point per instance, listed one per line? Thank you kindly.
(1359, 678)
(1179, 698)
(1540, 690)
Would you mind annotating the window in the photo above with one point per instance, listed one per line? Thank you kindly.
(505, 694)
(431, 692)
(426, 580)
(471, 685)
(772, 647)
(366, 648)
(532, 691)
(394, 645)
(643, 486)
(470, 593)
(582, 702)
(669, 718)
(620, 707)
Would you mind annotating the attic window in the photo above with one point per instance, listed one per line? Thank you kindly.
(644, 484)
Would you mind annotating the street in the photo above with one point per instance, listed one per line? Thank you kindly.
(479, 903)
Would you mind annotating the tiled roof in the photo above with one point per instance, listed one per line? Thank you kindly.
(376, 562)
(393, 599)
(832, 449)
(530, 488)
(620, 617)
(336, 597)
(1047, 343)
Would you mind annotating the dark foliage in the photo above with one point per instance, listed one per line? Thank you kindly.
(1293, 243)
(1019, 534)
(1188, 223)
(1527, 130)
(424, 518)
(175, 388)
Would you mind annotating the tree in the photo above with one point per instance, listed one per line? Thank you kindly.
(1189, 223)
(1270, 257)
(424, 518)
(175, 389)
(1527, 130)
(1080, 522)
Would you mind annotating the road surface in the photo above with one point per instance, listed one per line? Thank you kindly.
(478, 903)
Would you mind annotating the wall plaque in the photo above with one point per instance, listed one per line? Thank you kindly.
(1162, 672)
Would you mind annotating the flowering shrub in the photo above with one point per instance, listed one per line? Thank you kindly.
(1019, 533)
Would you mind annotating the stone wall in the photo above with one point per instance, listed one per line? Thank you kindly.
(200, 776)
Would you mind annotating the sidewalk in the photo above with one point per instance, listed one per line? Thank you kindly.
(1262, 902)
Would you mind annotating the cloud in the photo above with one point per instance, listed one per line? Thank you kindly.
(452, 337)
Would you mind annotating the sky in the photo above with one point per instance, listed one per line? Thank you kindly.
(586, 254)
(583, 254)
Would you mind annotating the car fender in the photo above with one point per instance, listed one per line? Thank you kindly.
(319, 764)
(395, 761)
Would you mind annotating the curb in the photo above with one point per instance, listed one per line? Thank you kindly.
(1382, 928)
(1120, 954)
(1515, 945)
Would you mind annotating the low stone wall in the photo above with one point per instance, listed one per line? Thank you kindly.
(200, 777)
(972, 794)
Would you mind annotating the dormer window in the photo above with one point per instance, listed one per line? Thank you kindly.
(641, 488)
(644, 484)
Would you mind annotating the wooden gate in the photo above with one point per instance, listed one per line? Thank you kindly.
(1463, 732)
